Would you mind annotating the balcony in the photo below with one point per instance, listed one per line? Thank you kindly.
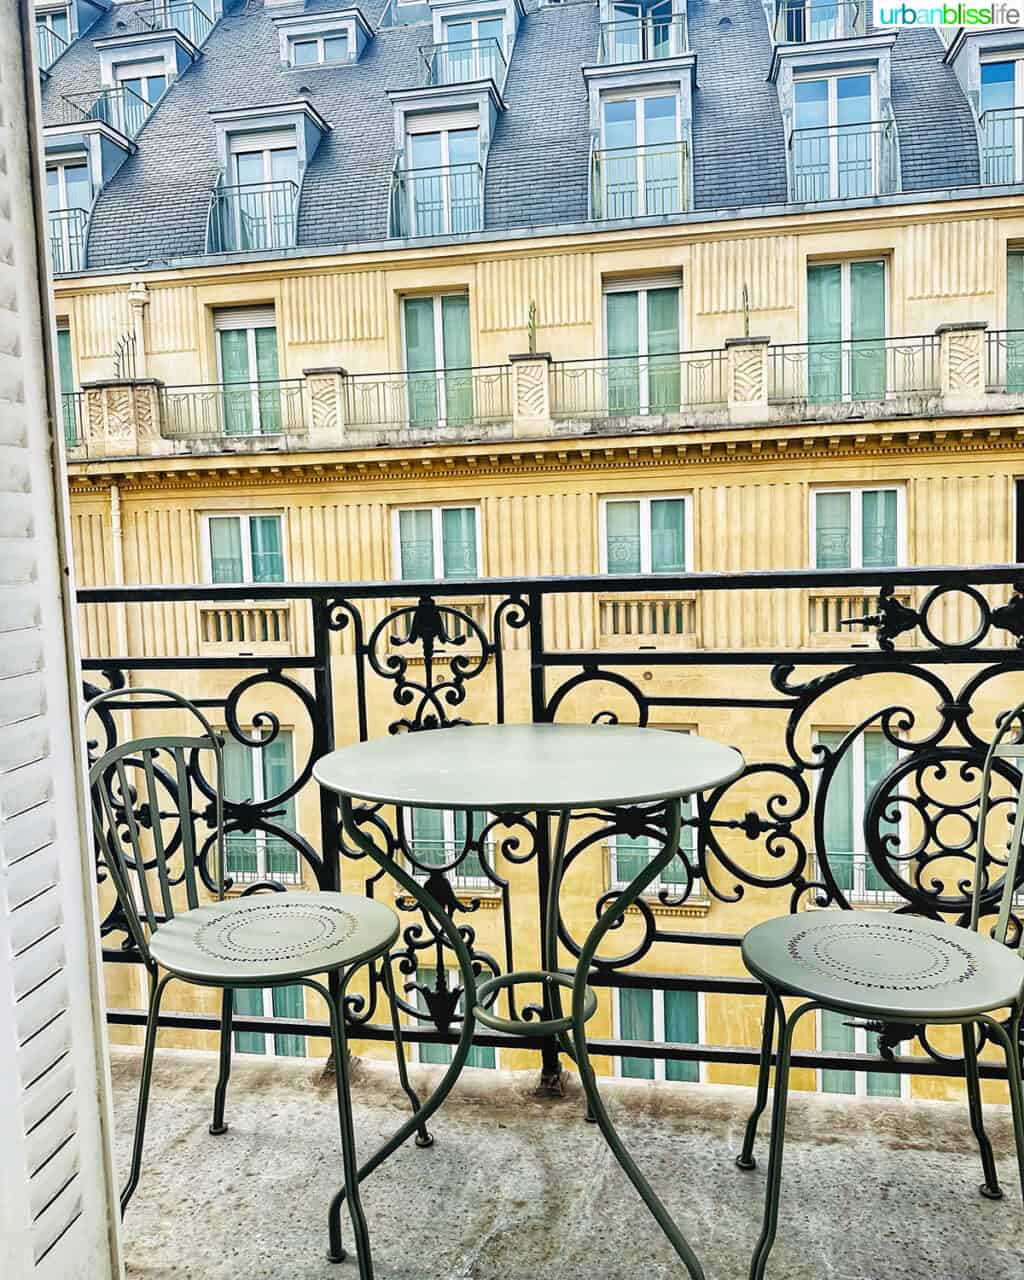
(843, 161)
(858, 369)
(440, 201)
(393, 405)
(49, 46)
(463, 62)
(184, 16)
(640, 182)
(509, 1173)
(627, 386)
(254, 217)
(120, 108)
(71, 418)
(1004, 361)
(222, 411)
(1001, 133)
(800, 22)
(643, 40)
(67, 231)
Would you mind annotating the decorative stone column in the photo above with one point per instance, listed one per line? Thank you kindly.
(325, 395)
(531, 393)
(138, 301)
(122, 418)
(747, 379)
(962, 365)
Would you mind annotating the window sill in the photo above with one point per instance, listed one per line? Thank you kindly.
(691, 909)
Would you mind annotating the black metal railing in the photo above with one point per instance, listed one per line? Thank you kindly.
(843, 161)
(854, 369)
(251, 217)
(72, 419)
(447, 200)
(120, 107)
(1004, 360)
(625, 386)
(67, 230)
(459, 62)
(224, 410)
(639, 182)
(946, 656)
(428, 398)
(191, 19)
(1001, 133)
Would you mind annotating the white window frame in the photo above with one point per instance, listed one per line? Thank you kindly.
(435, 509)
(860, 1078)
(439, 369)
(250, 342)
(452, 847)
(856, 493)
(145, 71)
(443, 131)
(246, 539)
(639, 96)
(67, 242)
(453, 978)
(76, 161)
(860, 893)
(320, 40)
(45, 17)
(643, 355)
(255, 756)
(846, 311)
(832, 78)
(645, 500)
(659, 1034)
(473, 21)
(268, 1036)
(1018, 101)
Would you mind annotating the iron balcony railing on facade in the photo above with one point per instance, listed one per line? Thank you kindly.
(639, 182)
(120, 107)
(797, 22)
(625, 386)
(229, 410)
(72, 417)
(1002, 145)
(853, 369)
(428, 398)
(258, 215)
(49, 46)
(447, 200)
(67, 229)
(463, 61)
(643, 39)
(1004, 360)
(940, 660)
(843, 161)
(191, 19)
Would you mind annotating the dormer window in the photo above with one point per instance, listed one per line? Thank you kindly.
(68, 200)
(1001, 120)
(640, 162)
(472, 48)
(53, 35)
(320, 50)
(639, 32)
(146, 80)
(444, 183)
(322, 39)
(839, 148)
(804, 21)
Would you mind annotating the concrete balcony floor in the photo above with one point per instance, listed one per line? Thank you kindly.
(517, 1188)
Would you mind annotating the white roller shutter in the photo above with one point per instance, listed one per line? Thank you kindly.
(259, 317)
(653, 280)
(55, 1176)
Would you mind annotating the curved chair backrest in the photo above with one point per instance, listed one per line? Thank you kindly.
(138, 785)
(1001, 749)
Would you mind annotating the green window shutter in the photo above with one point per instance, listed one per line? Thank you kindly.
(267, 371)
(416, 545)
(837, 1037)
(288, 1003)
(458, 385)
(622, 311)
(880, 1084)
(438, 1054)
(867, 320)
(421, 360)
(632, 854)
(622, 536)
(824, 326)
(471, 864)
(880, 755)
(682, 1026)
(234, 368)
(428, 837)
(226, 549)
(668, 535)
(832, 530)
(265, 545)
(239, 846)
(879, 529)
(66, 372)
(458, 542)
(839, 814)
(636, 1022)
(248, 1001)
(1015, 321)
(278, 776)
(663, 369)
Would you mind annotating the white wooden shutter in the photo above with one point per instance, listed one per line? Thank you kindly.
(55, 1175)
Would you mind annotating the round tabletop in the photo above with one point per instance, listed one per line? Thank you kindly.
(522, 767)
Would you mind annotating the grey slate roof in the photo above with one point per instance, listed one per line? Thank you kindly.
(155, 208)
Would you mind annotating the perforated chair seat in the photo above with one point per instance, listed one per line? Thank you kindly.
(887, 966)
(273, 937)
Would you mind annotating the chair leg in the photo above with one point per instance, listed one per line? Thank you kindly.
(423, 1137)
(746, 1160)
(336, 1251)
(152, 1023)
(220, 1096)
(990, 1188)
(1011, 1047)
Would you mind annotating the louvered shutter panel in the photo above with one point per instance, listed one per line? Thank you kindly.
(55, 1177)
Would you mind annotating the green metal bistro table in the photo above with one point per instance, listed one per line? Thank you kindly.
(551, 770)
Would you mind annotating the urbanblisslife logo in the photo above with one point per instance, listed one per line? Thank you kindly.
(890, 14)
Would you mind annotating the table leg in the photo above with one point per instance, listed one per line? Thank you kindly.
(594, 1101)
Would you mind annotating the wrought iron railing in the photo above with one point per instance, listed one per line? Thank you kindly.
(843, 161)
(437, 201)
(1004, 360)
(466, 60)
(72, 422)
(946, 658)
(854, 369)
(258, 215)
(643, 39)
(49, 46)
(1002, 145)
(67, 228)
(638, 182)
(428, 398)
(227, 410)
(120, 107)
(624, 386)
(799, 22)
(191, 19)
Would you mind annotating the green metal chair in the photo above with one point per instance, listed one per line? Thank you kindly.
(898, 969)
(144, 825)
